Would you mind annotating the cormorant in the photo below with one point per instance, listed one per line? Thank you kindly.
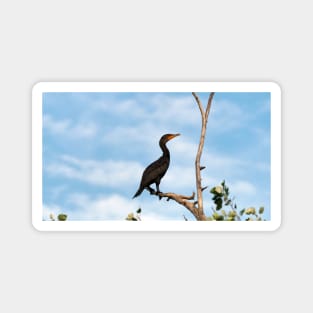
(156, 170)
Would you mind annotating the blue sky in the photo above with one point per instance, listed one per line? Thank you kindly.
(96, 146)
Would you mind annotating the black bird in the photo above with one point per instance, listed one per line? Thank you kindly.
(156, 170)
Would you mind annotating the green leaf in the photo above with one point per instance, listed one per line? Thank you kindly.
(212, 190)
(261, 210)
(250, 211)
(217, 190)
(228, 202)
(215, 215)
(215, 197)
(219, 203)
(62, 217)
(130, 217)
(139, 211)
(242, 212)
(227, 191)
(232, 214)
(220, 218)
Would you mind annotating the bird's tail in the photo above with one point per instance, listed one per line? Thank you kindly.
(139, 191)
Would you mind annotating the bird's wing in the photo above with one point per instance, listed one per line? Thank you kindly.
(154, 171)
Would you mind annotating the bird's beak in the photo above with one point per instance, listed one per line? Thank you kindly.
(173, 136)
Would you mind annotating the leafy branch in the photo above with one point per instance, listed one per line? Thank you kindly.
(225, 208)
(135, 217)
(61, 217)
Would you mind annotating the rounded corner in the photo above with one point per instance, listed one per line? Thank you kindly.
(276, 86)
(37, 226)
(37, 87)
(276, 225)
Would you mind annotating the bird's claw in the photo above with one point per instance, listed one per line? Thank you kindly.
(151, 190)
(159, 194)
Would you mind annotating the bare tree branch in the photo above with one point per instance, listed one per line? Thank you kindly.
(208, 107)
(199, 103)
(204, 120)
(181, 199)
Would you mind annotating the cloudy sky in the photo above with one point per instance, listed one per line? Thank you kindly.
(96, 146)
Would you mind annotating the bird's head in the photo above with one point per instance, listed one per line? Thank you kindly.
(167, 137)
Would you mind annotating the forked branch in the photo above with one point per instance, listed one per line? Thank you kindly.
(198, 167)
(186, 201)
(194, 206)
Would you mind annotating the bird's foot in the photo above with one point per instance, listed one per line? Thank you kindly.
(152, 191)
(159, 194)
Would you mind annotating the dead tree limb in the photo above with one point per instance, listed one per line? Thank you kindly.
(181, 199)
(204, 120)
(195, 207)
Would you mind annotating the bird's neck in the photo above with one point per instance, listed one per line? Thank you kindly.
(163, 147)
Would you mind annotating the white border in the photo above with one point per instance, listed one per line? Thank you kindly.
(42, 87)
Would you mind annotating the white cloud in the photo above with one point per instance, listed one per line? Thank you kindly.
(83, 207)
(215, 162)
(68, 128)
(178, 111)
(263, 137)
(54, 126)
(160, 109)
(243, 188)
(51, 210)
(178, 179)
(181, 110)
(184, 155)
(140, 142)
(145, 134)
(106, 173)
(113, 207)
(57, 191)
(182, 179)
(183, 150)
(227, 116)
(120, 108)
(114, 173)
(262, 166)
